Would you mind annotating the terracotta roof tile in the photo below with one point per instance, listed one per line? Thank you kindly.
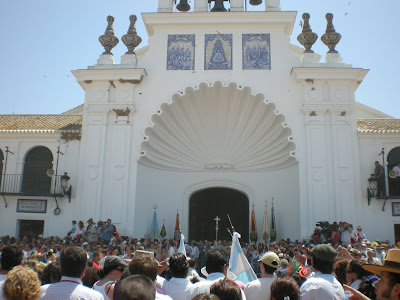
(378, 125)
(40, 123)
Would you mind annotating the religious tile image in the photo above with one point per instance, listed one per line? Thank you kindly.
(180, 52)
(218, 52)
(256, 52)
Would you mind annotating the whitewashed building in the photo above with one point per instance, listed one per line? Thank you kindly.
(218, 114)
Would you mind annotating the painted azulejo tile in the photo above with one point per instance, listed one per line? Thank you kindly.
(180, 52)
(218, 52)
(256, 52)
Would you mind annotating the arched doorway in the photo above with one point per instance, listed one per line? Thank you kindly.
(35, 180)
(393, 159)
(205, 205)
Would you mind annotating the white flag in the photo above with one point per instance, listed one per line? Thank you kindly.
(238, 263)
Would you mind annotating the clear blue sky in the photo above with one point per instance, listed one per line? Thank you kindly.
(42, 40)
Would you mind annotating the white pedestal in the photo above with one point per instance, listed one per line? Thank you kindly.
(310, 58)
(237, 5)
(272, 5)
(129, 59)
(333, 58)
(165, 6)
(106, 59)
(200, 5)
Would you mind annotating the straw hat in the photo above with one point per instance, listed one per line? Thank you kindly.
(391, 263)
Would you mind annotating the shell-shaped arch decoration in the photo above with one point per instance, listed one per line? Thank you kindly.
(218, 127)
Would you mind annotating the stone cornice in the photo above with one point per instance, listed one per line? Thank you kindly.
(326, 73)
(196, 19)
(128, 76)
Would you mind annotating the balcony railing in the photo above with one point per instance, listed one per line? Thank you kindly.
(31, 185)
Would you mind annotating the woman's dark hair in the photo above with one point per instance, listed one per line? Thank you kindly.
(215, 260)
(367, 288)
(283, 287)
(51, 274)
(339, 268)
(90, 278)
(356, 267)
(178, 265)
(204, 296)
(10, 257)
(297, 278)
(226, 289)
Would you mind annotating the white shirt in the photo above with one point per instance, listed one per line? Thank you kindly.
(162, 297)
(195, 252)
(69, 288)
(205, 285)
(380, 256)
(259, 289)
(176, 288)
(356, 284)
(322, 286)
(346, 238)
(2, 278)
(171, 251)
(101, 288)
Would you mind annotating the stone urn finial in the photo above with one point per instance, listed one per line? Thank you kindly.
(131, 39)
(307, 38)
(331, 38)
(108, 40)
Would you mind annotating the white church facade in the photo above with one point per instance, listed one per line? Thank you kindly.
(217, 115)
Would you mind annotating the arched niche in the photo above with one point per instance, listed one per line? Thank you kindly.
(35, 180)
(218, 128)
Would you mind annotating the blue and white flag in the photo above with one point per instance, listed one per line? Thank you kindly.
(154, 226)
(238, 263)
(182, 245)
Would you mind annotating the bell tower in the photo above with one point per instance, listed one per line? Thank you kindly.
(205, 5)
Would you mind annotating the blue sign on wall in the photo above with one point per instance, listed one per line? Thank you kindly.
(256, 52)
(218, 52)
(180, 52)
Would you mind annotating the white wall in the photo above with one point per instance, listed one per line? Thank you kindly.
(172, 190)
(20, 144)
(377, 224)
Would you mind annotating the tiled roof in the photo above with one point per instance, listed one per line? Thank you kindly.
(378, 125)
(40, 123)
(73, 123)
(78, 110)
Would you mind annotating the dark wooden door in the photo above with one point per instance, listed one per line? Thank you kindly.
(207, 204)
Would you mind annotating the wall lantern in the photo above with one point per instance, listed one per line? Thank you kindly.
(64, 184)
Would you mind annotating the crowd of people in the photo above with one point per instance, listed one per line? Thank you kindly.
(94, 262)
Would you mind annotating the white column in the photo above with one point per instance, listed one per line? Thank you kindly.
(165, 6)
(237, 5)
(200, 5)
(272, 5)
